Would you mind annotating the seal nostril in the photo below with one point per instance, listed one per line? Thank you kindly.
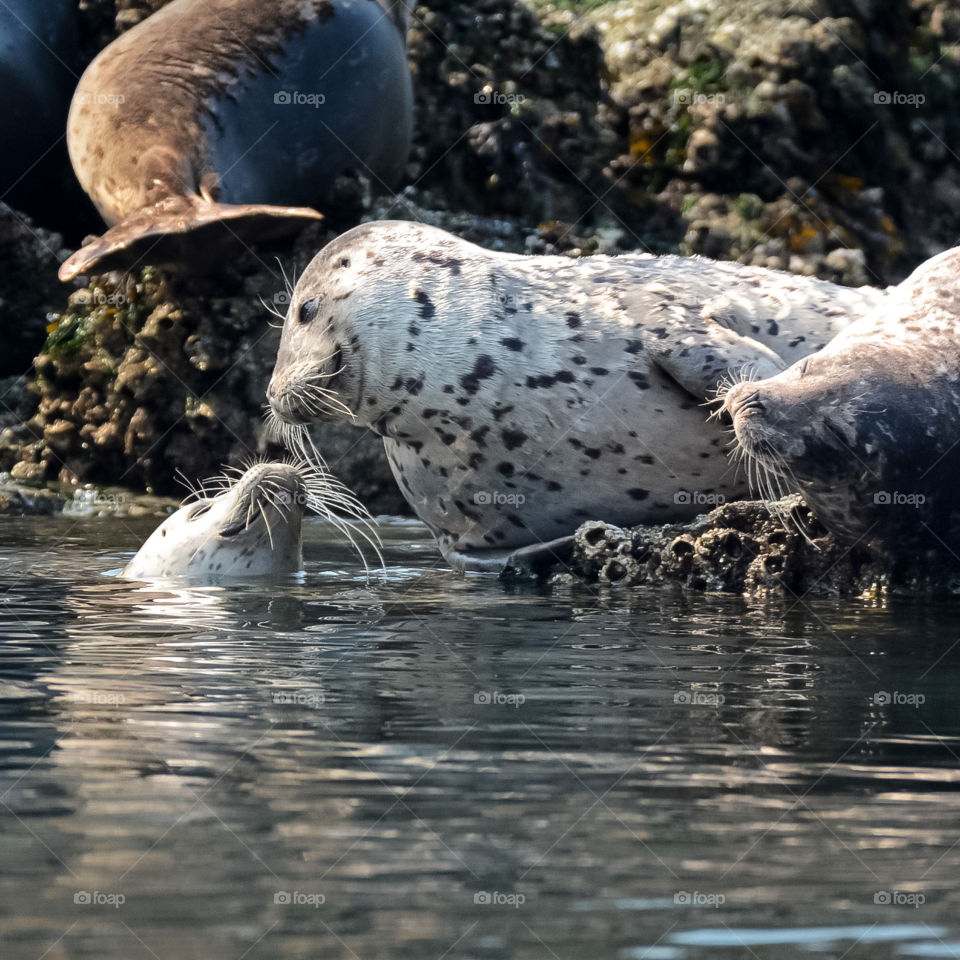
(751, 402)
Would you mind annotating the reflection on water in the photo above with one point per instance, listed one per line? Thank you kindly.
(429, 767)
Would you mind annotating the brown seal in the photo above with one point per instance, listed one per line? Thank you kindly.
(218, 121)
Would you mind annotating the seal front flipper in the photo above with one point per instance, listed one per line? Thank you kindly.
(702, 357)
(525, 563)
(184, 230)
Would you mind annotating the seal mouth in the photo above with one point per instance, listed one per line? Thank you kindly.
(264, 492)
(307, 394)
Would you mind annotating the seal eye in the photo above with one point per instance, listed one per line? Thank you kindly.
(345, 262)
(308, 311)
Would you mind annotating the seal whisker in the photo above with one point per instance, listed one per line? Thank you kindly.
(266, 521)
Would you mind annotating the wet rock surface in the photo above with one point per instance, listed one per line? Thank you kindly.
(783, 132)
(751, 547)
(144, 379)
(29, 289)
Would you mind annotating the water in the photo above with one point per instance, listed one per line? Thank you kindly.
(440, 768)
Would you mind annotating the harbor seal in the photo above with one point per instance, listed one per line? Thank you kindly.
(518, 396)
(868, 430)
(217, 121)
(249, 527)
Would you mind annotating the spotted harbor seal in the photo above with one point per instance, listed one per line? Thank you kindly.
(518, 396)
(868, 430)
(250, 527)
(202, 125)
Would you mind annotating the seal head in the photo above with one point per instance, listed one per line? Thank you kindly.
(868, 429)
(252, 528)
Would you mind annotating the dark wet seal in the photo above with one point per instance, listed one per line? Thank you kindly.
(216, 123)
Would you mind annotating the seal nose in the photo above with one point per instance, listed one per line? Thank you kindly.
(743, 397)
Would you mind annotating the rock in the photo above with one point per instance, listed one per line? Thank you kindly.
(739, 547)
(29, 289)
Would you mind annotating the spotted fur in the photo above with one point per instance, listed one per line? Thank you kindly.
(518, 395)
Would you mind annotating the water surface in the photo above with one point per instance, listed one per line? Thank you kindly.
(428, 767)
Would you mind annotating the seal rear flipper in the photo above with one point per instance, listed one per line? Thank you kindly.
(184, 230)
(702, 360)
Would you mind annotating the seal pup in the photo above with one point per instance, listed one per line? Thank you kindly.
(203, 124)
(250, 527)
(518, 396)
(868, 429)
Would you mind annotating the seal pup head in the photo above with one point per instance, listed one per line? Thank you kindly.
(249, 525)
(252, 527)
(868, 429)
(357, 314)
